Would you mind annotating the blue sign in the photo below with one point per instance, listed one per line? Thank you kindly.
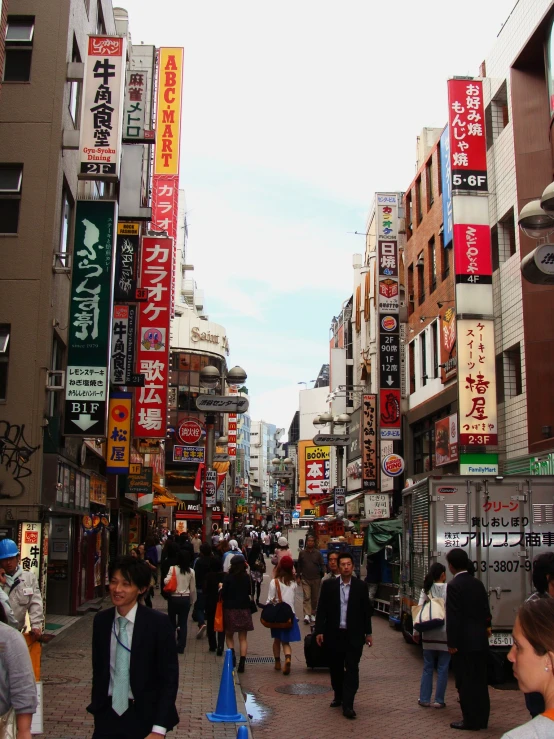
(296, 514)
(446, 180)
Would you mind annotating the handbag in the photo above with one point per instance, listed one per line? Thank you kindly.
(259, 565)
(218, 618)
(277, 615)
(253, 606)
(171, 586)
(8, 726)
(430, 615)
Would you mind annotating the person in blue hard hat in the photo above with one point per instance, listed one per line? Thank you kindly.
(22, 588)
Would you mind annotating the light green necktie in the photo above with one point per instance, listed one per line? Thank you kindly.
(120, 695)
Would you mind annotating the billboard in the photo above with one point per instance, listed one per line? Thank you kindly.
(448, 344)
(466, 125)
(119, 434)
(369, 442)
(316, 469)
(446, 440)
(102, 108)
(134, 111)
(90, 319)
(446, 180)
(168, 119)
(126, 262)
(123, 344)
(153, 337)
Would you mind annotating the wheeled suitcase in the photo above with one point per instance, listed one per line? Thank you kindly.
(315, 655)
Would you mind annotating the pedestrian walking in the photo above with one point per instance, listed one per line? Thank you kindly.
(159, 550)
(201, 569)
(257, 567)
(237, 613)
(139, 553)
(135, 673)
(468, 618)
(373, 576)
(333, 566)
(343, 624)
(233, 551)
(435, 648)
(532, 656)
(281, 550)
(22, 588)
(196, 544)
(310, 570)
(214, 578)
(18, 690)
(283, 589)
(266, 538)
(183, 597)
(185, 543)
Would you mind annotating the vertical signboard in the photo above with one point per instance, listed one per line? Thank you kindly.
(119, 434)
(316, 470)
(446, 440)
(126, 262)
(153, 338)
(446, 180)
(448, 344)
(102, 110)
(389, 376)
(232, 428)
(134, 111)
(30, 544)
(89, 319)
(468, 145)
(369, 442)
(123, 344)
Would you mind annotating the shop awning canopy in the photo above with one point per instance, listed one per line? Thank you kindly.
(162, 496)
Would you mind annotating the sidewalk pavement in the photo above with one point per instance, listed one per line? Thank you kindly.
(67, 678)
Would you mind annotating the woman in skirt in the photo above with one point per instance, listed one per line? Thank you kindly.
(284, 637)
(237, 615)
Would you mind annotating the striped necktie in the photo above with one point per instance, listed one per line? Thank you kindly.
(120, 695)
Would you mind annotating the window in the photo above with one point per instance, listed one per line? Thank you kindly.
(420, 278)
(55, 398)
(11, 177)
(429, 181)
(419, 204)
(410, 289)
(503, 239)
(4, 357)
(445, 258)
(19, 48)
(423, 356)
(512, 372)
(100, 25)
(497, 115)
(436, 348)
(409, 214)
(65, 232)
(433, 263)
(75, 88)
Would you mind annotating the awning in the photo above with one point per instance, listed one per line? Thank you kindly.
(162, 496)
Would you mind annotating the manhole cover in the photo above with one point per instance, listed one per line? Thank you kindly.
(60, 680)
(303, 689)
(66, 655)
(260, 660)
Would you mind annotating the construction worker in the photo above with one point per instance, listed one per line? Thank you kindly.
(22, 588)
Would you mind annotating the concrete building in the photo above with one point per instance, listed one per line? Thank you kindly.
(263, 445)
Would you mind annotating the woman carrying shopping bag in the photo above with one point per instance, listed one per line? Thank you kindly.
(282, 589)
(435, 649)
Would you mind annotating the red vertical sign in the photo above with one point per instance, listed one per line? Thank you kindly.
(153, 344)
(468, 143)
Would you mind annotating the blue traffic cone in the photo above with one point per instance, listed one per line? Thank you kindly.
(226, 709)
(242, 733)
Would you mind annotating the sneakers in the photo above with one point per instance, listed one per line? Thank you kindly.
(423, 704)
(312, 619)
(436, 704)
(306, 619)
(201, 631)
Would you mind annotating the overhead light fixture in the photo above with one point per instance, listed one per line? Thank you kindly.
(534, 221)
(547, 198)
(440, 303)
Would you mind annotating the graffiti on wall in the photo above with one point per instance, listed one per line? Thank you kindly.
(15, 453)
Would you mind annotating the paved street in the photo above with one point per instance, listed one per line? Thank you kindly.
(386, 703)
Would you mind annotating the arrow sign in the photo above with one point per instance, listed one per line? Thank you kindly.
(84, 421)
(331, 439)
(390, 381)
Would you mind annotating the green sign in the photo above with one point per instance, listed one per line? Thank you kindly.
(478, 464)
(90, 319)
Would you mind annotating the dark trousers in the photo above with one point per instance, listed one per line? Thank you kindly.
(256, 589)
(108, 725)
(216, 639)
(199, 608)
(470, 669)
(344, 661)
(178, 607)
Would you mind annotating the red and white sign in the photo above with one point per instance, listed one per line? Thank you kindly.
(472, 251)
(393, 465)
(477, 383)
(468, 145)
(153, 338)
(189, 431)
(389, 408)
(232, 428)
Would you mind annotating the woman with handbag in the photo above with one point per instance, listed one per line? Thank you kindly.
(180, 583)
(237, 607)
(214, 578)
(435, 648)
(257, 569)
(282, 589)
(18, 690)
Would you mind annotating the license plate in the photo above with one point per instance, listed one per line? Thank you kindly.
(501, 640)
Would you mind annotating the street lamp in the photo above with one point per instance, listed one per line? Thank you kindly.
(210, 378)
(534, 221)
(327, 419)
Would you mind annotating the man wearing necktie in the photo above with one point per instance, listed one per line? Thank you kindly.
(135, 672)
(343, 626)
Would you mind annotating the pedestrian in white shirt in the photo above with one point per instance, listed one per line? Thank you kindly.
(283, 589)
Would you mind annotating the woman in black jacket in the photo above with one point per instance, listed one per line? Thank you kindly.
(170, 560)
(212, 582)
(236, 607)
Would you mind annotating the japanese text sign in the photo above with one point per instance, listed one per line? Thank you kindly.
(369, 442)
(468, 145)
(446, 180)
(446, 440)
(377, 506)
(387, 216)
(188, 453)
(477, 383)
(389, 413)
(232, 427)
(126, 262)
(30, 545)
(119, 434)
(472, 253)
(153, 337)
(317, 469)
(123, 344)
(135, 107)
(102, 110)
(89, 319)
(168, 119)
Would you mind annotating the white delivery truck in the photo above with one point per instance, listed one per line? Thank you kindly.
(503, 523)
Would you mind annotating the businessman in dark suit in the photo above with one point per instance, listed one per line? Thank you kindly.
(343, 625)
(135, 672)
(468, 618)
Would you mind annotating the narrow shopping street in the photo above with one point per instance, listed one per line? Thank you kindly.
(299, 704)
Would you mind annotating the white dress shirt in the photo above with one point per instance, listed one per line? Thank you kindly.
(344, 596)
(131, 616)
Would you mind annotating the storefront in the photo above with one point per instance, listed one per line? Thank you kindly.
(188, 517)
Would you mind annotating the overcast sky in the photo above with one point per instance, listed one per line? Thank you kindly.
(294, 114)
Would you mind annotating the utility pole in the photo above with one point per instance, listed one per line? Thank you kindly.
(210, 447)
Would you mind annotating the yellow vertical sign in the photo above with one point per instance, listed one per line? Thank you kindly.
(119, 434)
(168, 116)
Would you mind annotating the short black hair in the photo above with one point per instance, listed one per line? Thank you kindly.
(345, 555)
(206, 549)
(459, 560)
(134, 570)
(542, 567)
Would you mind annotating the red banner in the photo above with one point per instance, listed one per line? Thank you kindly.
(472, 252)
(468, 144)
(165, 198)
(153, 344)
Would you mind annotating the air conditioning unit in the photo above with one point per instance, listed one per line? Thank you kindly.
(61, 263)
(55, 380)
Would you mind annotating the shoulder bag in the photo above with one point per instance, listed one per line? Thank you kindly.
(430, 615)
(171, 586)
(277, 615)
(8, 725)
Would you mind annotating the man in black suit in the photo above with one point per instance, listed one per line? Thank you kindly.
(468, 618)
(135, 672)
(343, 624)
